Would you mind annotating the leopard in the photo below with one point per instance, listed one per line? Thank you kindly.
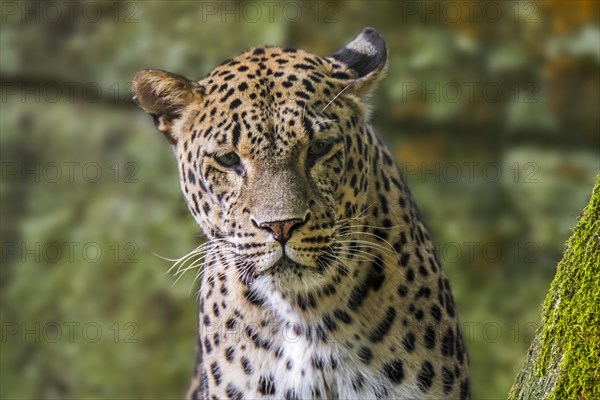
(319, 279)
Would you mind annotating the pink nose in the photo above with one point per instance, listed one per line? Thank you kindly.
(281, 230)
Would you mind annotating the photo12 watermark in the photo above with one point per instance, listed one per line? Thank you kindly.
(269, 11)
(53, 172)
(68, 332)
(526, 252)
(471, 172)
(467, 92)
(66, 91)
(453, 12)
(258, 333)
(69, 12)
(70, 252)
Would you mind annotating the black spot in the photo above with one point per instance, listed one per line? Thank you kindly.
(353, 181)
(230, 324)
(191, 178)
(246, 366)
(266, 385)
(317, 363)
(448, 343)
(387, 159)
(342, 316)
(329, 323)
(333, 362)
(279, 352)
(375, 276)
(447, 380)
(436, 312)
(402, 291)
(290, 394)
(449, 304)
(196, 206)
(304, 66)
(409, 342)
(329, 289)
(257, 339)
(315, 392)
(425, 377)
(305, 302)
(357, 296)
(228, 94)
(216, 373)
(394, 371)
(381, 233)
(419, 315)
(233, 392)
(404, 259)
(229, 353)
(198, 392)
(341, 75)
(236, 134)
(465, 390)
(308, 85)
(235, 104)
(358, 381)
(384, 326)
(423, 292)
(365, 355)
(460, 347)
(429, 337)
(207, 346)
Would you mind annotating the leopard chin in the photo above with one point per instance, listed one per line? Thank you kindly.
(285, 263)
(286, 268)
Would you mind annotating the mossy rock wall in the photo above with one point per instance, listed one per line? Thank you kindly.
(564, 359)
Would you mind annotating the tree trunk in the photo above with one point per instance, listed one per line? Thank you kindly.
(564, 358)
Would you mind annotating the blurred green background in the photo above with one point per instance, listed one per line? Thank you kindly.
(491, 107)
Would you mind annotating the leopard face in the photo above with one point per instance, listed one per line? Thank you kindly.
(272, 154)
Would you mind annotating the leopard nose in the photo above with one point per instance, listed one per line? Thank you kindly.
(281, 230)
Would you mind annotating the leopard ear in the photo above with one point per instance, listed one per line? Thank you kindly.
(164, 96)
(366, 56)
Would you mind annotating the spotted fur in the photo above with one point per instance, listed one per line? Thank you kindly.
(320, 278)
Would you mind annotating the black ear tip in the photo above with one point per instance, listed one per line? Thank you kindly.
(370, 32)
(372, 36)
(366, 53)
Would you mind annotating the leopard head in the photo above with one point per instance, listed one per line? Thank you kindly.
(272, 149)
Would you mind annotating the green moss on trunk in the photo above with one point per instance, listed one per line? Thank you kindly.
(564, 359)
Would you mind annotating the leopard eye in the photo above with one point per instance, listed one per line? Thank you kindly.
(319, 149)
(228, 160)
